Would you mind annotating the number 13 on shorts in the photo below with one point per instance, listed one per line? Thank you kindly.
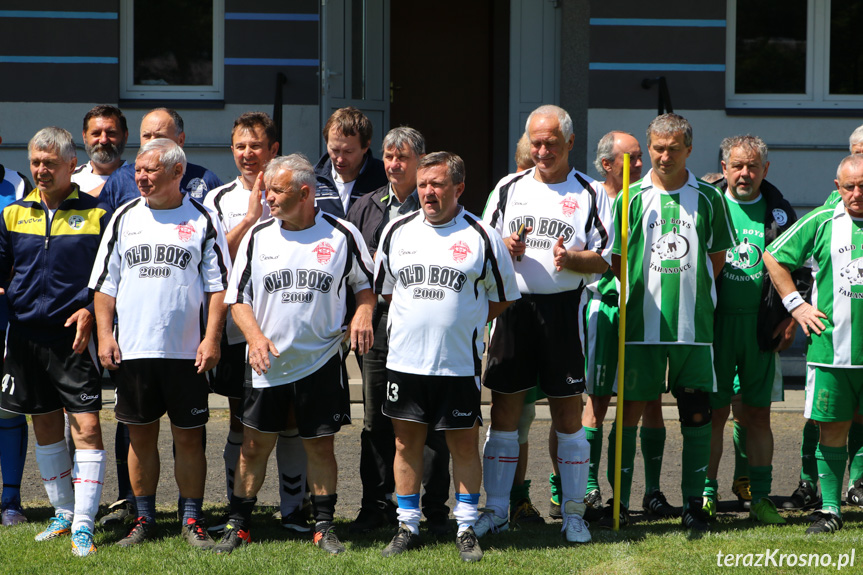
(392, 391)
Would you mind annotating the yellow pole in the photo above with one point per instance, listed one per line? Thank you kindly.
(621, 337)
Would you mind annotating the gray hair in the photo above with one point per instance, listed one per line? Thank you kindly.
(454, 165)
(170, 154)
(563, 119)
(856, 137)
(404, 136)
(605, 150)
(53, 139)
(302, 171)
(748, 142)
(669, 125)
(854, 160)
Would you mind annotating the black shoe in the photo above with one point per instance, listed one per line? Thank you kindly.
(855, 494)
(119, 512)
(326, 539)
(694, 516)
(234, 537)
(594, 509)
(607, 519)
(403, 541)
(138, 534)
(554, 511)
(804, 497)
(523, 512)
(437, 524)
(468, 546)
(296, 521)
(368, 519)
(825, 522)
(656, 504)
(196, 535)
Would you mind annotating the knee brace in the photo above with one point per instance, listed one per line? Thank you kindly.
(694, 407)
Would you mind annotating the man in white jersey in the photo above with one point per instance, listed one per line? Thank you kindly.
(288, 296)
(105, 134)
(163, 258)
(832, 236)
(679, 230)
(445, 274)
(565, 241)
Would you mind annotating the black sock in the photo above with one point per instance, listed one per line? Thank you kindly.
(323, 509)
(241, 510)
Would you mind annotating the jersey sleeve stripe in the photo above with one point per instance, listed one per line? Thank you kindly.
(593, 221)
(218, 199)
(211, 234)
(353, 249)
(490, 258)
(113, 240)
(385, 246)
(246, 274)
(503, 195)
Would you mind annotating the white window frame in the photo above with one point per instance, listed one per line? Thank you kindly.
(131, 91)
(817, 96)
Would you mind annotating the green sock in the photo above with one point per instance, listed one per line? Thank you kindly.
(652, 448)
(519, 492)
(594, 438)
(711, 488)
(696, 457)
(554, 484)
(855, 453)
(760, 481)
(627, 461)
(831, 470)
(741, 461)
(808, 465)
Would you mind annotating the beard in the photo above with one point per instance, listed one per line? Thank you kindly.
(104, 154)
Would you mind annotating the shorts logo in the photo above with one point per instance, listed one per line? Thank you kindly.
(85, 397)
(324, 252)
(780, 216)
(337, 416)
(198, 410)
(457, 413)
(460, 251)
(569, 206)
(76, 222)
(745, 256)
(185, 231)
(573, 381)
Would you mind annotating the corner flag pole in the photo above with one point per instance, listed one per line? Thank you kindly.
(621, 338)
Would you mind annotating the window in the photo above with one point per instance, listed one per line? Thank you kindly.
(794, 54)
(172, 49)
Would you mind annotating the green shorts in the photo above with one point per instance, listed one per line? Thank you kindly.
(689, 367)
(533, 395)
(736, 353)
(832, 393)
(600, 347)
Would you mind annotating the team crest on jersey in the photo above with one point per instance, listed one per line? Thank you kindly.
(196, 188)
(745, 256)
(185, 231)
(324, 252)
(853, 272)
(780, 216)
(569, 206)
(75, 222)
(671, 246)
(460, 251)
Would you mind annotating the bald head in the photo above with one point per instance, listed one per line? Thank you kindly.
(162, 123)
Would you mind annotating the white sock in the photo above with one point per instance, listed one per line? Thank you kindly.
(88, 478)
(291, 461)
(466, 511)
(499, 459)
(67, 434)
(573, 460)
(411, 519)
(231, 455)
(55, 467)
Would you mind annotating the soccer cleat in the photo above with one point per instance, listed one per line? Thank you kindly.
(693, 516)
(119, 512)
(326, 539)
(297, 521)
(468, 546)
(488, 522)
(855, 494)
(607, 519)
(657, 504)
(233, 537)
(594, 510)
(825, 522)
(740, 488)
(56, 527)
(368, 519)
(764, 511)
(708, 506)
(82, 542)
(554, 511)
(524, 512)
(196, 535)
(140, 531)
(804, 497)
(554, 506)
(13, 515)
(574, 527)
(403, 541)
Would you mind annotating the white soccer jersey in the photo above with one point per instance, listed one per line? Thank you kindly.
(296, 283)
(231, 203)
(441, 279)
(572, 209)
(86, 179)
(158, 264)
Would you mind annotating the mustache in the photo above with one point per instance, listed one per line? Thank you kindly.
(104, 153)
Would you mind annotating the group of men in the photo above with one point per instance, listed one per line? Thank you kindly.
(272, 278)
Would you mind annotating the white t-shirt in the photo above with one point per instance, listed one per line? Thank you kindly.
(86, 179)
(158, 264)
(344, 188)
(441, 279)
(296, 283)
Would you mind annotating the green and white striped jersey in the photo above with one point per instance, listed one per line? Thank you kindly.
(834, 242)
(743, 272)
(671, 295)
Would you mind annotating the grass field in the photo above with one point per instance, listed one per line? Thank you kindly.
(655, 547)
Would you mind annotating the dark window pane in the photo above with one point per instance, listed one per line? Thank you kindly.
(173, 43)
(358, 43)
(771, 47)
(846, 51)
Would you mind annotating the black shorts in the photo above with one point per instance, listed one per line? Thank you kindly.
(321, 402)
(148, 388)
(536, 341)
(444, 402)
(230, 374)
(43, 378)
